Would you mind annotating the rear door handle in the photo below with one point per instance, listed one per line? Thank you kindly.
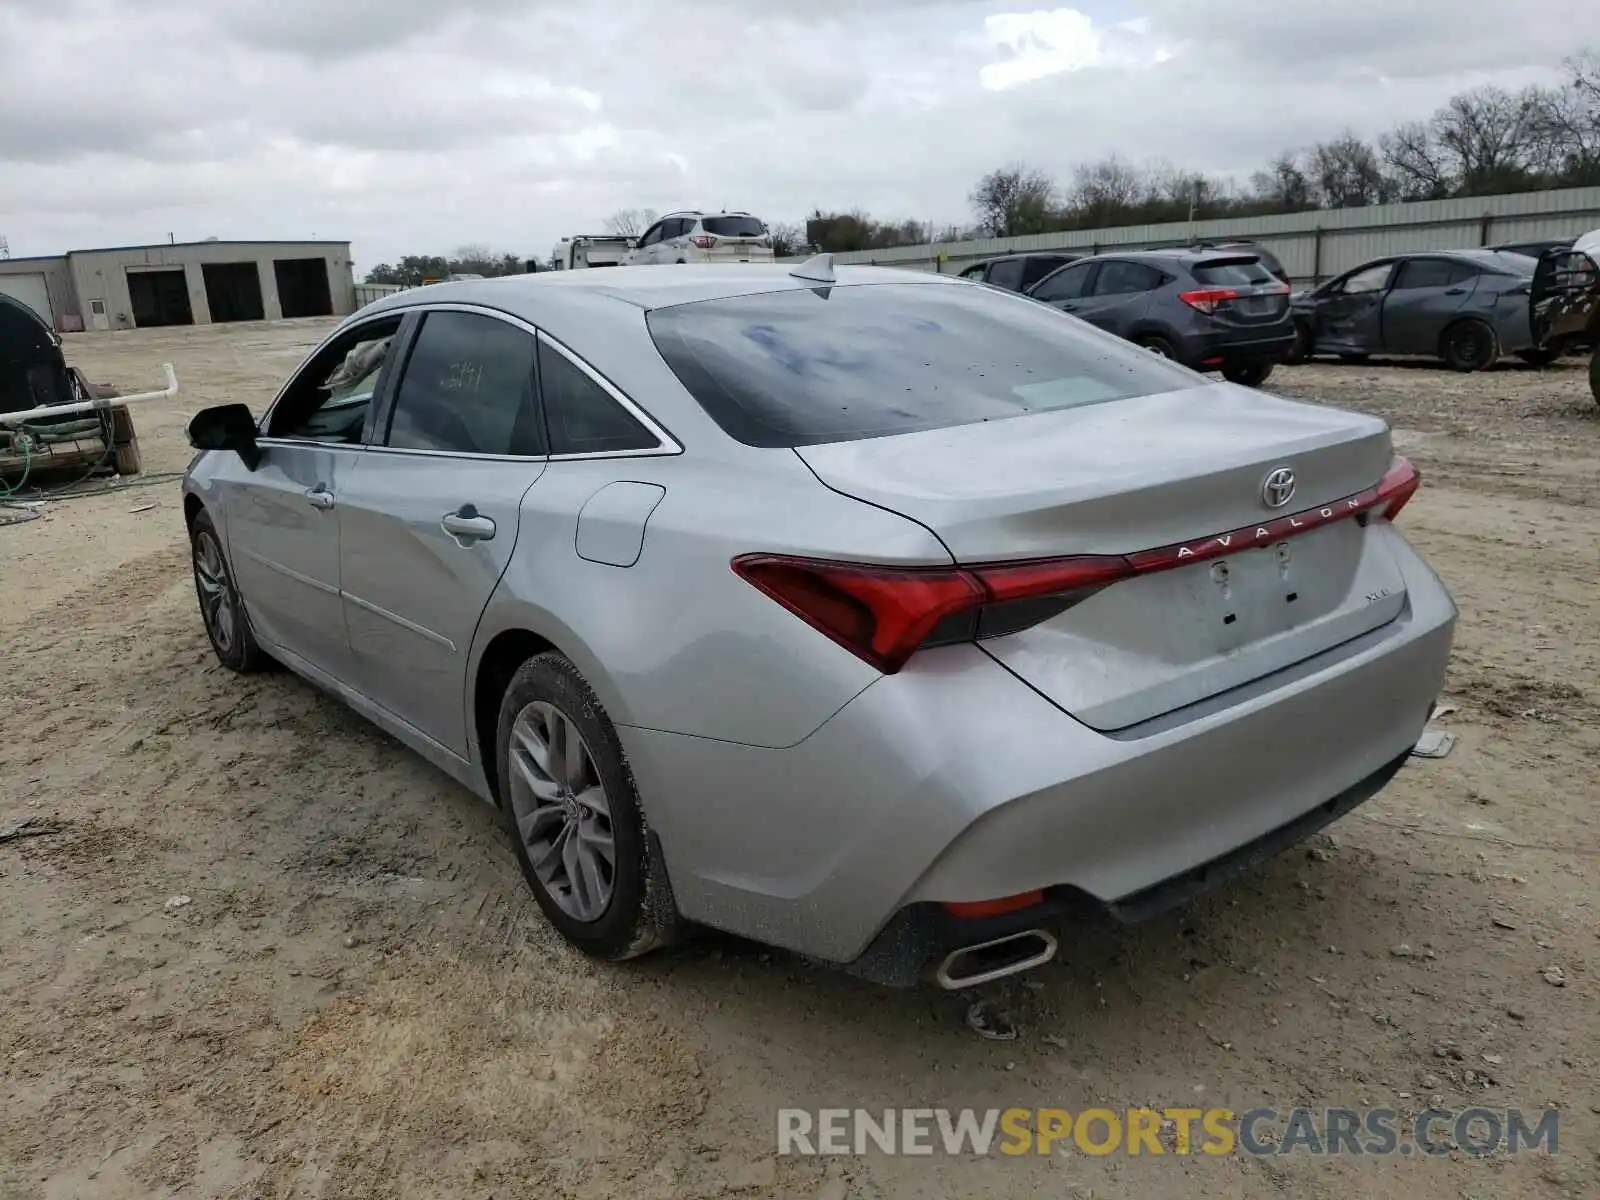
(466, 524)
(319, 497)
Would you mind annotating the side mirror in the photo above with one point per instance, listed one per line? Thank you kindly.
(226, 427)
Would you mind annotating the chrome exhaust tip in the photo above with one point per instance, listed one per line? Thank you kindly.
(987, 961)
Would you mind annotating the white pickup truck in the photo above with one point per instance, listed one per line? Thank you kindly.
(591, 250)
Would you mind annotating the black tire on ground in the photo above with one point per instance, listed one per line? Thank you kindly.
(1469, 345)
(227, 624)
(1538, 358)
(639, 915)
(1594, 375)
(1304, 344)
(1158, 345)
(1250, 374)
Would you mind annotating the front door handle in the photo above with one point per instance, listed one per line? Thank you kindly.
(1455, 291)
(319, 497)
(466, 524)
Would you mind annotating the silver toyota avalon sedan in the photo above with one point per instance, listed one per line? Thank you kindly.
(881, 616)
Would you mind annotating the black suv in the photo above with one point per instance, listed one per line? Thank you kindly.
(1213, 310)
(1019, 272)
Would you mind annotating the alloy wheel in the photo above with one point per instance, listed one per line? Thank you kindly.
(562, 812)
(216, 594)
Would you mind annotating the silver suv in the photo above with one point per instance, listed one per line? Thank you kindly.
(703, 237)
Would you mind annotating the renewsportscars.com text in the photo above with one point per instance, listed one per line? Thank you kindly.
(1210, 1131)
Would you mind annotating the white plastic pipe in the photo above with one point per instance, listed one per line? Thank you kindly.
(53, 410)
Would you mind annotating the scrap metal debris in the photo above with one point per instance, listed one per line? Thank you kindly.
(1434, 743)
(984, 1022)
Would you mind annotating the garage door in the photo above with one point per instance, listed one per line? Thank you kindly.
(31, 291)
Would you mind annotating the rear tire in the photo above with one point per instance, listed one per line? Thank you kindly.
(1158, 345)
(572, 812)
(1594, 375)
(1538, 358)
(1248, 374)
(1469, 345)
(221, 608)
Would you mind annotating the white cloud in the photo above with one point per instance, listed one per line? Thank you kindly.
(417, 126)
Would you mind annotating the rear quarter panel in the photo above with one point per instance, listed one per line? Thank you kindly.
(677, 642)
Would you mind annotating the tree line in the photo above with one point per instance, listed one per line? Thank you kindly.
(1484, 141)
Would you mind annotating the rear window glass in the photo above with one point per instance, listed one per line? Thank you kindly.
(733, 226)
(797, 368)
(1233, 272)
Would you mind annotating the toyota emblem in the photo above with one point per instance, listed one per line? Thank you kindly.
(1277, 489)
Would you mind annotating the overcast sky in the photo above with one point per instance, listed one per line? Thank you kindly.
(421, 125)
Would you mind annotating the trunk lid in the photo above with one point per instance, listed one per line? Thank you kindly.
(1154, 471)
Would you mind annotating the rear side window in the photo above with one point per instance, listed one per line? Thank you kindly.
(801, 367)
(468, 389)
(1233, 272)
(1040, 265)
(584, 418)
(1066, 284)
(1121, 278)
(1007, 273)
(731, 227)
(1429, 273)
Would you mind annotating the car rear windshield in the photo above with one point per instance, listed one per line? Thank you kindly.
(834, 364)
(1233, 272)
(733, 226)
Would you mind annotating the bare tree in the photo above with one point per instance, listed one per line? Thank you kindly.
(1483, 138)
(1416, 163)
(630, 222)
(1108, 190)
(788, 239)
(1566, 124)
(1284, 185)
(1014, 200)
(1347, 173)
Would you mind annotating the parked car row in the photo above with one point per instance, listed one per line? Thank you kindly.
(1228, 306)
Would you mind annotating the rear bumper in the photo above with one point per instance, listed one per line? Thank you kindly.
(1224, 346)
(921, 935)
(954, 781)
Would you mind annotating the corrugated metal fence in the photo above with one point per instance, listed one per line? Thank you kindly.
(366, 293)
(1313, 246)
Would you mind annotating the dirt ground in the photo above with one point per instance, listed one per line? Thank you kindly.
(261, 950)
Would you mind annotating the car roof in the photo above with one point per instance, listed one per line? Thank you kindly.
(554, 299)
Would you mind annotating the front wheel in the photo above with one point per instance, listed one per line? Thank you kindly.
(221, 607)
(1469, 346)
(574, 817)
(1249, 374)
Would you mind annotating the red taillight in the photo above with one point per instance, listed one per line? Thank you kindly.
(993, 908)
(885, 614)
(1397, 486)
(704, 240)
(1207, 299)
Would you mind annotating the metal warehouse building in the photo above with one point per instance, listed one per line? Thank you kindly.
(184, 283)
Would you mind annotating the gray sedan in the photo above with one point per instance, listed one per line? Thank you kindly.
(883, 617)
(1467, 307)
